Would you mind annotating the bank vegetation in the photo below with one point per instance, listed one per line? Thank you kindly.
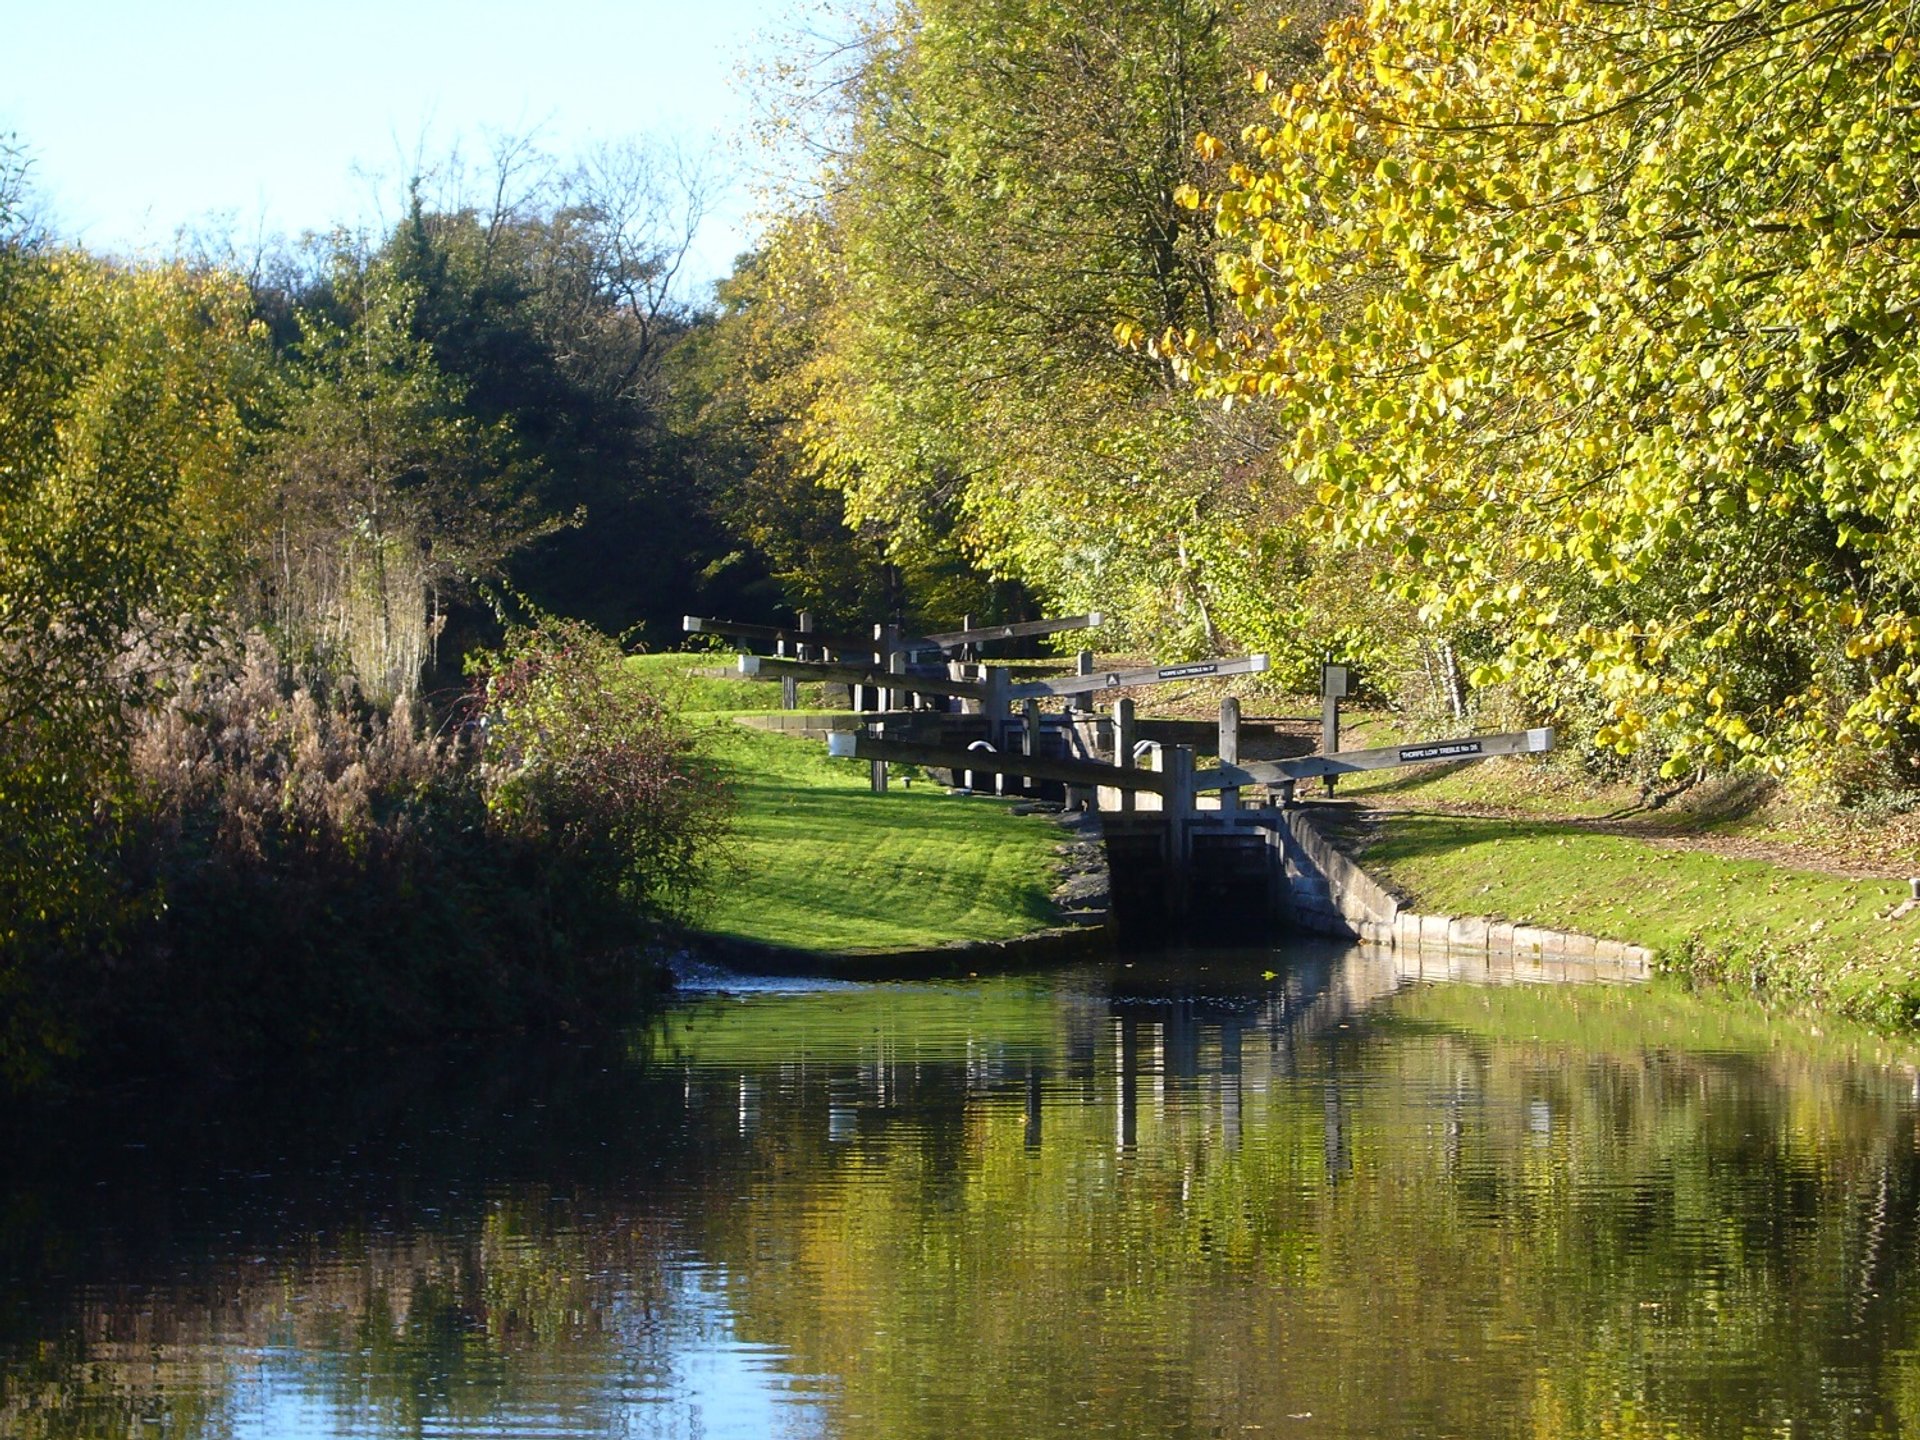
(1545, 362)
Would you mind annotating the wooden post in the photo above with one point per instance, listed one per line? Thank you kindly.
(885, 655)
(1082, 665)
(1123, 733)
(1333, 685)
(1176, 762)
(957, 670)
(1229, 751)
(1029, 738)
(896, 665)
(968, 651)
(997, 709)
(789, 685)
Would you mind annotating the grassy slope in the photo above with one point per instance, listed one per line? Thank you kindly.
(1747, 920)
(1659, 895)
(823, 864)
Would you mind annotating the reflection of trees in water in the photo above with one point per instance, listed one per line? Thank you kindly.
(1522, 1236)
(436, 1243)
(1149, 1211)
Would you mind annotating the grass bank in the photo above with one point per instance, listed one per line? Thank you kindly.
(1731, 887)
(819, 863)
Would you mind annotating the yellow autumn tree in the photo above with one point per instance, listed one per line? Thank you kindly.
(1600, 318)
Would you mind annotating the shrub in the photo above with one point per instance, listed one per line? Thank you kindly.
(578, 749)
(315, 873)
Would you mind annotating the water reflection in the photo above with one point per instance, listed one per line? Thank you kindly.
(1182, 1198)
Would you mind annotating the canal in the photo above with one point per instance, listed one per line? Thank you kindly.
(1285, 1193)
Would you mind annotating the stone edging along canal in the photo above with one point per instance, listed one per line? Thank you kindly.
(1331, 894)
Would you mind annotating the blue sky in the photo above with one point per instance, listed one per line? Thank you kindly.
(143, 118)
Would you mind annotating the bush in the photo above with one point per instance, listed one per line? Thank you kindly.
(579, 749)
(318, 874)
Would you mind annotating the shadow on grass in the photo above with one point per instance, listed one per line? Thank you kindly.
(1416, 834)
(1409, 782)
(1723, 801)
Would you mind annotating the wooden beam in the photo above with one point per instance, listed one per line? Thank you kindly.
(850, 745)
(1386, 757)
(1020, 630)
(1126, 679)
(761, 667)
(775, 634)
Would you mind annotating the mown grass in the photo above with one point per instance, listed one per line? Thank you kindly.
(1741, 922)
(1658, 895)
(820, 863)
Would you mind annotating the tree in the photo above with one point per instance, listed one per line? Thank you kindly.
(553, 298)
(743, 383)
(1005, 196)
(123, 401)
(390, 491)
(1599, 318)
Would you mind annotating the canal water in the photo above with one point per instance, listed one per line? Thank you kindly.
(1284, 1194)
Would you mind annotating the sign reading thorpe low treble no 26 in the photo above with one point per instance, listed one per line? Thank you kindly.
(1447, 750)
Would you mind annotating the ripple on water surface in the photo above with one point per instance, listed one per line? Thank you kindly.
(1277, 1194)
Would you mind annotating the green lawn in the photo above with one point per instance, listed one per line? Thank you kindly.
(1756, 924)
(820, 863)
(1569, 878)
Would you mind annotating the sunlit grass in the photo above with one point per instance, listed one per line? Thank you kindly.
(1630, 889)
(1749, 924)
(819, 862)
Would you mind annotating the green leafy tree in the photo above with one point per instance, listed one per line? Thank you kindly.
(553, 298)
(1599, 320)
(582, 755)
(123, 401)
(743, 383)
(391, 493)
(1004, 196)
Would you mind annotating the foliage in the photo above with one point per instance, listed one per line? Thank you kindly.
(1599, 319)
(1003, 196)
(390, 492)
(740, 386)
(580, 754)
(332, 875)
(317, 864)
(123, 510)
(553, 303)
(173, 823)
(747, 382)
